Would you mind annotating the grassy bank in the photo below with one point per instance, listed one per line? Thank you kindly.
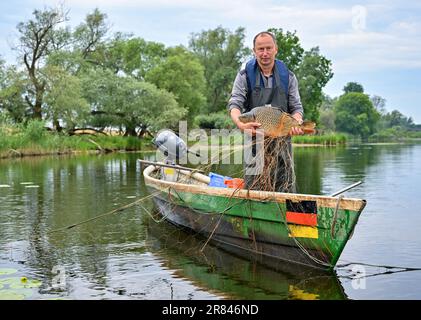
(332, 139)
(35, 140)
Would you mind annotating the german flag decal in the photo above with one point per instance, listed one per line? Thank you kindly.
(302, 213)
(296, 231)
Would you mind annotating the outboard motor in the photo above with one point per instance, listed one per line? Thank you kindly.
(171, 145)
(174, 148)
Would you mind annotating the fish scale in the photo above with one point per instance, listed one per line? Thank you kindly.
(275, 122)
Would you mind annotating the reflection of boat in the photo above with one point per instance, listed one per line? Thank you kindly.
(305, 229)
(214, 269)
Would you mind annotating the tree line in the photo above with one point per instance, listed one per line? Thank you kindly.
(365, 116)
(87, 77)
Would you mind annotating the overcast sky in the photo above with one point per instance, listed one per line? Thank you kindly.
(375, 43)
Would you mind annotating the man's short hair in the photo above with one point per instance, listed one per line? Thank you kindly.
(264, 33)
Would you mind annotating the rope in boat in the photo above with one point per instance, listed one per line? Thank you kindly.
(152, 216)
(122, 208)
(335, 217)
(251, 220)
(220, 218)
(300, 246)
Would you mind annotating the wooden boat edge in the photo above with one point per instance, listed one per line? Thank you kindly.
(325, 201)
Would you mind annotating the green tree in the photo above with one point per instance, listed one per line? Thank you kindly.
(38, 38)
(88, 46)
(133, 56)
(89, 36)
(115, 52)
(327, 114)
(355, 114)
(129, 103)
(314, 73)
(289, 48)
(64, 99)
(379, 103)
(140, 56)
(220, 52)
(353, 87)
(397, 119)
(183, 75)
(2, 69)
(312, 69)
(69, 60)
(13, 84)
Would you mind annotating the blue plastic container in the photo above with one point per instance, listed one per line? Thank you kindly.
(217, 180)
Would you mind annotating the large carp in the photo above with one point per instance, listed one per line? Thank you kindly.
(275, 122)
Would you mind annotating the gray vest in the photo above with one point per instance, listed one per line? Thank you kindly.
(276, 96)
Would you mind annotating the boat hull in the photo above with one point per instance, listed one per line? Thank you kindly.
(261, 227)
(222, 233)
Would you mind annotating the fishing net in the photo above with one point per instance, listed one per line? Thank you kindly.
(273, 168)
(271, 151)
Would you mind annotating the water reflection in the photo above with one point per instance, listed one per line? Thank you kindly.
(237, 278)
(124, 255)
(70, 190)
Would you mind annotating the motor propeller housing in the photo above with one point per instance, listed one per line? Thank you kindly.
(171, 145)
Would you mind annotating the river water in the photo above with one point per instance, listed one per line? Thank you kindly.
(129, 255)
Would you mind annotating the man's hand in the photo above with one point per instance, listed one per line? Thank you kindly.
(249, 127)
(297, 130)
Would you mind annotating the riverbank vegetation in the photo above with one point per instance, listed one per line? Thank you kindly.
(33, 139)
(67, 80)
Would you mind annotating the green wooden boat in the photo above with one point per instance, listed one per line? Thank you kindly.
(272, 227)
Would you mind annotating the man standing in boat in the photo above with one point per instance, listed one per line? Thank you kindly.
(264, 80)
